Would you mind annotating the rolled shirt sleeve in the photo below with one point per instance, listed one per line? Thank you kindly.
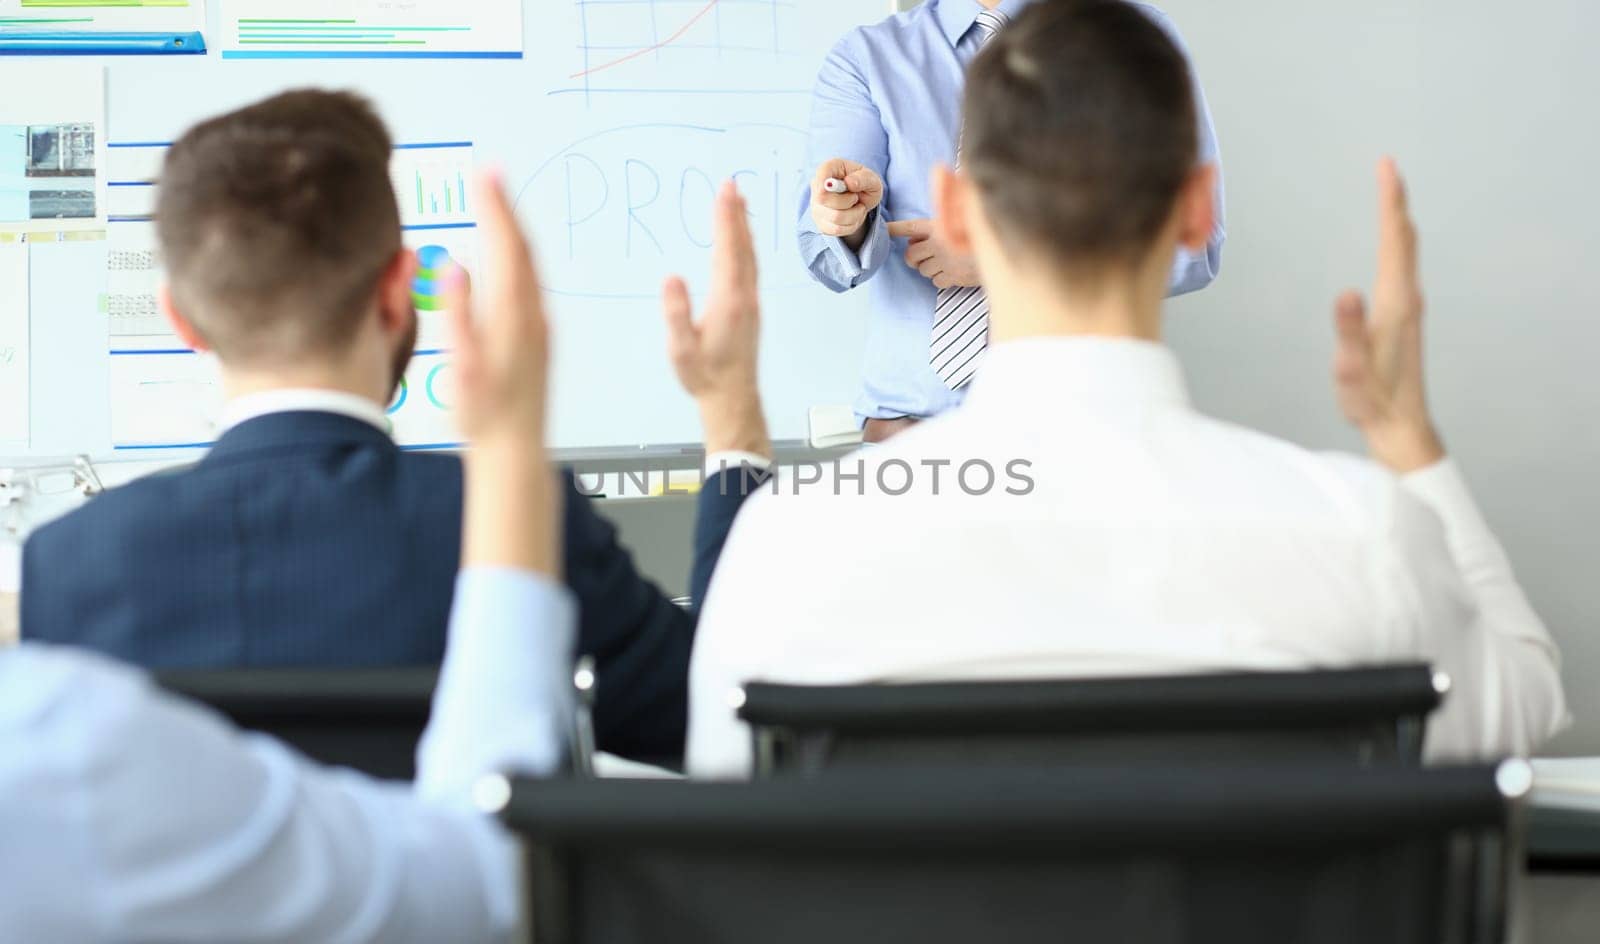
(505, 697)
(844, 124)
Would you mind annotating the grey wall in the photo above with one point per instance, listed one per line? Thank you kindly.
(1491, 109)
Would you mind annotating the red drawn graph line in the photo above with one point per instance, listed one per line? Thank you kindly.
(700, 15)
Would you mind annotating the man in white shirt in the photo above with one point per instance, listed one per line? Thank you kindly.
(1076, 516)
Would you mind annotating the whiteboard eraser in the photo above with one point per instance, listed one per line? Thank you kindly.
(834, 426)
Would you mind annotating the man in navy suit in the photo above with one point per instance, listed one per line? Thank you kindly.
(306, 537)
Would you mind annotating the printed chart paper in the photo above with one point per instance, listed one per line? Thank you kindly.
(52, 117)
(133, 271)
(14, 404)
(102, 16)
(165, 396)
(372, 29)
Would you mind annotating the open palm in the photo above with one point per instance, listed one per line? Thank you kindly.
(1378, 370)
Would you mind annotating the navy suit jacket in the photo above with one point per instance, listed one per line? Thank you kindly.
(310, 539)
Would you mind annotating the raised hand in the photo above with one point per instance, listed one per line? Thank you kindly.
(501, 358)
(500, 339)
(1378, 369)
(716, 358)
(845, 214)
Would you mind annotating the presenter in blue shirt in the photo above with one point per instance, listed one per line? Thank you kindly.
(886, 111)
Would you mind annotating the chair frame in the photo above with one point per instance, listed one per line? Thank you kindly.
(280, 701)
(794, 728)
(1072, 812)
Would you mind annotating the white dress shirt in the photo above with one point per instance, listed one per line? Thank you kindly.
(129, 816)
(1152, 540)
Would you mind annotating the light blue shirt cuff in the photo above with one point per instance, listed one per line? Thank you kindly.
(505, 697)
(1193, 271)
(856, 267)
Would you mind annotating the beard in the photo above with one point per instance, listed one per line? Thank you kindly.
(402, 355)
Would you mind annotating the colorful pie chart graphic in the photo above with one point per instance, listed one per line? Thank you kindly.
(428, 289)
(437, 386)
(400, 397)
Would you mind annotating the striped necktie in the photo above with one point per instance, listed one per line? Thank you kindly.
(961, 317)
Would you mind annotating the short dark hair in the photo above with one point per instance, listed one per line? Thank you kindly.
(276, 223)
(1080, 130)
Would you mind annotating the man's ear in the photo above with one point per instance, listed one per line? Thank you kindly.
(181, 326)
(952, 204)
(1197, 208)
(396, 307)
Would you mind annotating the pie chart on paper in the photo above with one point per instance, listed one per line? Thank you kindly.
(428, 289)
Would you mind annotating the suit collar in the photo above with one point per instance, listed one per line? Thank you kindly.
(298, 430)
(302, 400)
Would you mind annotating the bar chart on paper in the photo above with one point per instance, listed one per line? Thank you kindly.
(372, 29)
(431, 181)
(440, 195)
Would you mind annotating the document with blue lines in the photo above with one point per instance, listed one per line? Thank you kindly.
(166, 398)
(351, 29)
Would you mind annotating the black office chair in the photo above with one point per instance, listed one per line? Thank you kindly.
(1563, 841)
(366, 719)
(1369, 716)
(1314, 855)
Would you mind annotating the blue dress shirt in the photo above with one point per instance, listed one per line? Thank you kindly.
(889, 97)
(127, 815)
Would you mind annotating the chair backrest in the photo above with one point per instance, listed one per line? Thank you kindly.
(1365, 716)
(1307, 855)
(366, 719)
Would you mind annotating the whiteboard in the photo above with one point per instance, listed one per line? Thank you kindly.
(613, 129)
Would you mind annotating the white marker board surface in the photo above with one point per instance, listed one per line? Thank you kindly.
(614, 130)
